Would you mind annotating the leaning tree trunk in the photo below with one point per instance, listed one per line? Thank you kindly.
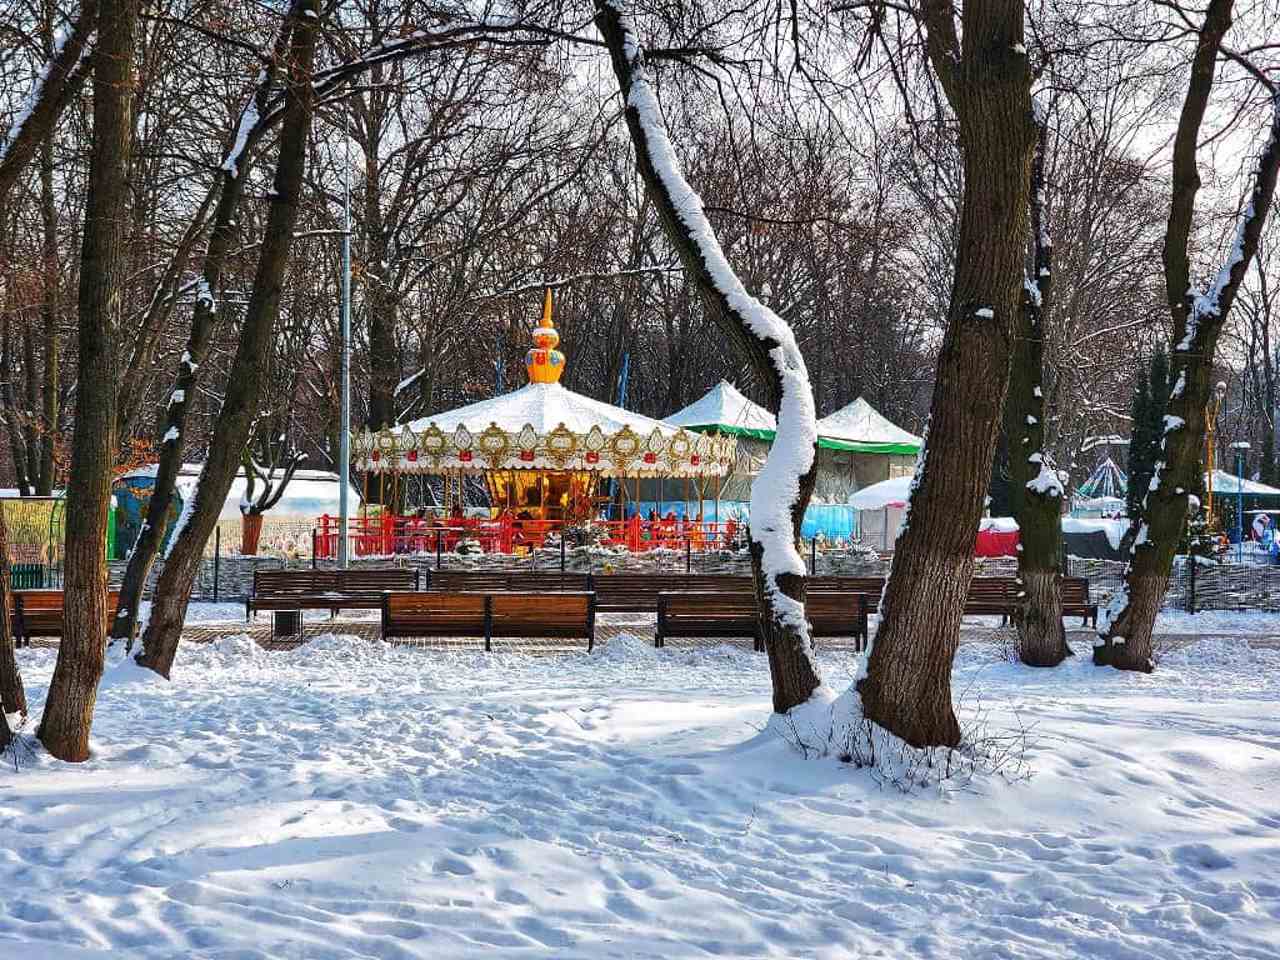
(781, 491)
(907, 687)
(1034, 489)
(1125, 628)
(73, 690)
(59, 84)
(43, 478)
(13, 696)
(233, 173)
(244, 384)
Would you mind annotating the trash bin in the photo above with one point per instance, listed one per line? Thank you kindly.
(286, 623)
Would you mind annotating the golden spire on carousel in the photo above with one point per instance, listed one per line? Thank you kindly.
(544, 362)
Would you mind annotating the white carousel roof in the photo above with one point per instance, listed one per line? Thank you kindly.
(543, 406)
(723, 407)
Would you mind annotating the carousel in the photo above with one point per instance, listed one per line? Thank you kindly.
(549, 459)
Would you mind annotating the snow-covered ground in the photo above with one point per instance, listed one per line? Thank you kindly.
(348, 800)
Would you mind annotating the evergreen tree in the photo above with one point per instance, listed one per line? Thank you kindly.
(1140, 464)
(1159, 387)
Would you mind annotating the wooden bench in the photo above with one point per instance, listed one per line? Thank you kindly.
(332, 590)
(733, 614)
(639, 592)
(40, 613)
(1076, 601)
(437, 613)
(506, 581)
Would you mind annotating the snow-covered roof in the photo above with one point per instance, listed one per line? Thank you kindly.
(193, 470)
(724, 408)
(543, 406)
(887, 493)
(860, 427)
(1224, 482)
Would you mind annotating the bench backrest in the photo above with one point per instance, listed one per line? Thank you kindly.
(294, 581)
(1075, 590)
(36, 601)
(638, 592)
(360, 580)
(377, 579)
(445, 613)
(463, 611)
(519, 581)
(545, 614)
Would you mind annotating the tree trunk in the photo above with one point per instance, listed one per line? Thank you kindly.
(234, 172)
(13, 696)
(1035, 492)
(43, 477)
(9, 411)
(73, 690)
(244, 384)
(782, 489)
(380, 303)
(1126, 626)
(907, 687)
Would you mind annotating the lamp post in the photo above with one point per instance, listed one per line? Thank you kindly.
(1211, 410)
(344, 416)
(1241, 447)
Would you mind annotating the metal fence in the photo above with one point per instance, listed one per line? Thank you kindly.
(227, 576)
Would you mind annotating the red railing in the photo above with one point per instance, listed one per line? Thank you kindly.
(388, 534)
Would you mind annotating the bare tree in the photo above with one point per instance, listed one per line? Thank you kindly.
(1125, 627)
(68, 712)
(782, 489)
(987, 80)
(173, 589)
(1036, 491)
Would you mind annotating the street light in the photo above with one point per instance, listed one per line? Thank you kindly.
(1241, 447)
(344, 416)
(1211, 411)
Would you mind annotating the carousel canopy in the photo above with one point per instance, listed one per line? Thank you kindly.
(723, 409)
(543, 426)
(1107, 482)
(861, 428)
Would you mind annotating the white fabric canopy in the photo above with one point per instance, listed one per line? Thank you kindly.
(1224, 482)
(725, 407)
(859, 422)
(887, 493)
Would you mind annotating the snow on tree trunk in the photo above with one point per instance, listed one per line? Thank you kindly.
(1035, 491)
(234, 171)
(781, 490)
(907, 684)
(73, 689)
(244, 385)
(1125, 627)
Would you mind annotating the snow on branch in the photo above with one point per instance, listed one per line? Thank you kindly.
(55, 85)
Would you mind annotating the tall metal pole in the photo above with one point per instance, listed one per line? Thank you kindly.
(344, 431)
(1241, 448)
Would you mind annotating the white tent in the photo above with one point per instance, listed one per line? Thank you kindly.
(1224, 484)
(309, 494)
(862, 428)
(887, 493)
(723, 408)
